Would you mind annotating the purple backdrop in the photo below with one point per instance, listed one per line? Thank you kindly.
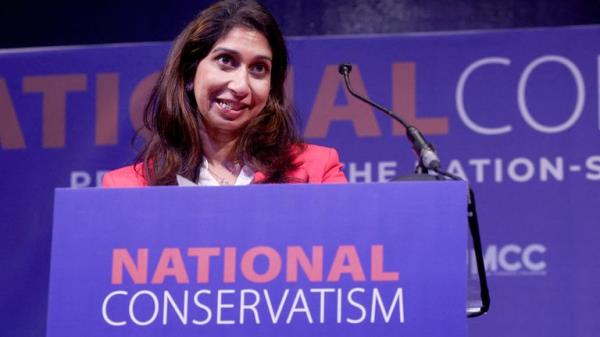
(516, 112)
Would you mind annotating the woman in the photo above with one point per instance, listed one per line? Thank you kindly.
(218, 114)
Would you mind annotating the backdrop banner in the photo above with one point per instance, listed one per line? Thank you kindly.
(515, 112)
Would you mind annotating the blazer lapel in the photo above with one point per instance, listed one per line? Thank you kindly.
(259, 177)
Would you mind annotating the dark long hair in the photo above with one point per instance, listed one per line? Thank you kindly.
(269, 143)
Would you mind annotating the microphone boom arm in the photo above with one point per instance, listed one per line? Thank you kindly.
(428, 159)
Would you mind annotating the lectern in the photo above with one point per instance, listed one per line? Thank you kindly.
(260, 260)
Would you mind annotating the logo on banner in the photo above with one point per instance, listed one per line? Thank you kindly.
(261, 285)
(512, 260)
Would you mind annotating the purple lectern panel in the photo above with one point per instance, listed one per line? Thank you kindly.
(279, 260)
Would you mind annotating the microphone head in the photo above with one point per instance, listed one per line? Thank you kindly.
(344, 68)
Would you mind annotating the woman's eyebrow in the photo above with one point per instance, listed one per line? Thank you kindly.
(237, 54)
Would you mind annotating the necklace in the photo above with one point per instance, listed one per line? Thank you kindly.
(222, 179)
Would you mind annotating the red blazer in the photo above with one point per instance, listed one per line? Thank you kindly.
(318, 164)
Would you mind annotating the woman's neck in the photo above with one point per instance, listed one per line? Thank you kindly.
(218, 147)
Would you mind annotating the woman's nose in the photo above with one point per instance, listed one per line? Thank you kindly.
(239, 83)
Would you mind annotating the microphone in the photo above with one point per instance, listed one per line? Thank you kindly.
(423, 149)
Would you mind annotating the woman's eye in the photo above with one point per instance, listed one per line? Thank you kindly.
(225, 60)
(260, 69)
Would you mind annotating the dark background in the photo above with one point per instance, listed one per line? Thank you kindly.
(68, 22)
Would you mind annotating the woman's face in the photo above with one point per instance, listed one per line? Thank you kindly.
(233, 81)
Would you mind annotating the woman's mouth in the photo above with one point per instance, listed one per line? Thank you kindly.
(227, 105)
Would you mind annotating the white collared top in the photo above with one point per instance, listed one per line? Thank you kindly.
(205, 177)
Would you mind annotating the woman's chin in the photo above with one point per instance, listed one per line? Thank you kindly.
(224, 125)
(228, 121)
